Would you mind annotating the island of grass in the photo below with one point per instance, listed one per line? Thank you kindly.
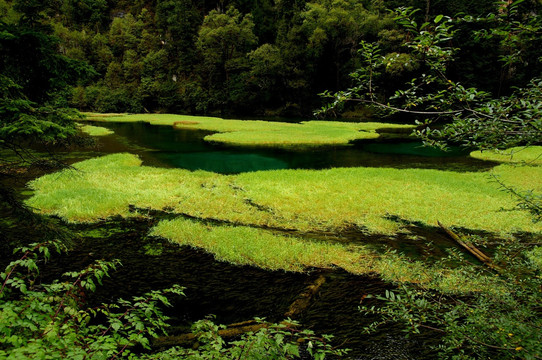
(257, 133)
(95, 130)
(236, 217)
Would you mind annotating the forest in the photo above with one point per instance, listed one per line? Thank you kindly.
(367, 169)
(245, 57)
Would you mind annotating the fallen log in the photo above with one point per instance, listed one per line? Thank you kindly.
(304, 299)
(469, 247)
(301, 303)
(188, 340)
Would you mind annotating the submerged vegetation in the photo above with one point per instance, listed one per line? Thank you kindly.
(52, 321)
(257, 133)
(243, 245)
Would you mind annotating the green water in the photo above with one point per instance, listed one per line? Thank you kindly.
(168, 147)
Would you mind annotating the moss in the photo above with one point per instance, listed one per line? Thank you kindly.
(257, 133)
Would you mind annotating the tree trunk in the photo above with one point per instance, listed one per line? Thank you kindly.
(470, 248)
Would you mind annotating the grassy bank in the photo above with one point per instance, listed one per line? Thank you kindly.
(306, 200)
(531, 155)
(256, 133)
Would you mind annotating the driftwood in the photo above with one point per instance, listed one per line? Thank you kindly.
(303, 300)
(190, 339)
(470, 248)
(301, 303)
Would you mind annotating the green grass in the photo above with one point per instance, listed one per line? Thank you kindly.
(531, 155)
(96, 130)
(256, 133)
(305, 200)
(243, 245)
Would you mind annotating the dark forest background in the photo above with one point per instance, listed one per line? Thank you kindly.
(229, 57)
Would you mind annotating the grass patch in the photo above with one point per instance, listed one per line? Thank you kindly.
(306, 200)
(531, 155)
(243, 245)
(256, 133)
(96, 130)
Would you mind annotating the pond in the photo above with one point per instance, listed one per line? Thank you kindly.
(235, 294)
(165, 146)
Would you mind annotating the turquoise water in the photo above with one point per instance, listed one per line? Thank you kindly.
(165, 146)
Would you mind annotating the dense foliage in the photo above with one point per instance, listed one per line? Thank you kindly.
(243, 57)
(52, 321)
(448, 107)
(35, 81)
(502, 321)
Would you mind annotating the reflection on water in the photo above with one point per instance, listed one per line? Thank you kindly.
(413, 148)
(165, 146)
(221, 161)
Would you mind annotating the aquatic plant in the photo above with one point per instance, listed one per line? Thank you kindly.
(96, 130)
(243, 245)
(334, 200)
(257, 133)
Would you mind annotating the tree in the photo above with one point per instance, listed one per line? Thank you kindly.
(334, 30)
(470, 116)
(267, 72)
(33, 84)
(93, 13)
(503, 321)
(224, 41)
(178, 22)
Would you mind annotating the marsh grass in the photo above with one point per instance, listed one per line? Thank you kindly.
(257, 133)
(244, 245)
(96, 130)
(531, 155)
(305, 200)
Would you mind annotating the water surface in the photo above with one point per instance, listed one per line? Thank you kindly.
(165, 146)
(235, 293)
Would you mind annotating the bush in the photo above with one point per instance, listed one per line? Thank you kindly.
(51, 321)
